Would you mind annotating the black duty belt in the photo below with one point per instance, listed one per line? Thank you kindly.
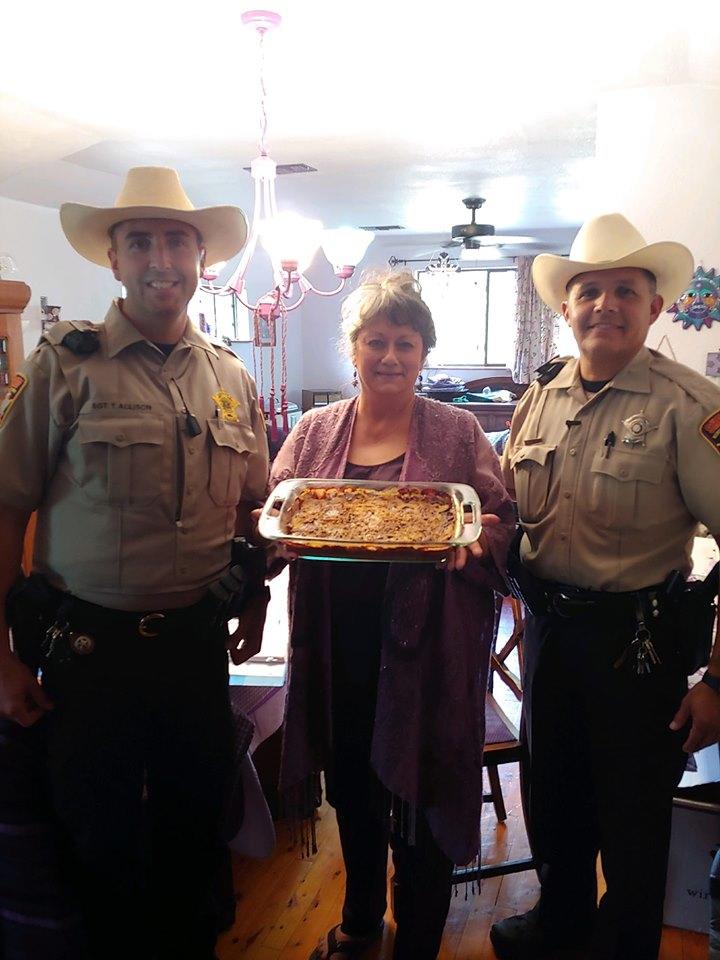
(146, 623)
(567, 600)
(76, 623)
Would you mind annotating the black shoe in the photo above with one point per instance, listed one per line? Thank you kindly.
(523, 938)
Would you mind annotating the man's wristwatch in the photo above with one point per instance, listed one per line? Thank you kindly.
(711, 681)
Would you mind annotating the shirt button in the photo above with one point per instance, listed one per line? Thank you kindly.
(623, 473)
(188, 489)
(563, 536)
(191, 451)
(119, 436)
(567, 495)
(572, 451)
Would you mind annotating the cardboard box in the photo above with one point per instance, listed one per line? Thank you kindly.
(694, 841)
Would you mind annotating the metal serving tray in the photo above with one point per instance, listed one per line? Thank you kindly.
(273, 524)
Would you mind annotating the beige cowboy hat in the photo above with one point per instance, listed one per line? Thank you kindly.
(605, 243)
(151, 193)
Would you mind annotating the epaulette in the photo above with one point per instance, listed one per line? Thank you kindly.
(548, 371)
(79, 337)
(700, 388)
(224, 344)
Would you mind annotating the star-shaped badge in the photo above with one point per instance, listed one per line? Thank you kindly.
(226, 406)
(637, 427)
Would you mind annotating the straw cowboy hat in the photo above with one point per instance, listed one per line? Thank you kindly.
(605, 243)
(151, 193)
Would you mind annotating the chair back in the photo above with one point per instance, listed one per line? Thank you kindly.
(499, 658)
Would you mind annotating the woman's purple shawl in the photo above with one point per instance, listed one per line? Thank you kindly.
(436, 638)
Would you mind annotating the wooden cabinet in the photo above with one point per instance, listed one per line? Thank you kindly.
(492, 416)
(319, 398)
(14, 297)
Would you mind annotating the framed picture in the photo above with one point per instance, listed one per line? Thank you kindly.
(50, 313)
(267, 332)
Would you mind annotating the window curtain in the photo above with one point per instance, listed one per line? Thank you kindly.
(536, 326)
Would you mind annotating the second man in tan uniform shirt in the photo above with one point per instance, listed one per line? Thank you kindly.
(614, 459)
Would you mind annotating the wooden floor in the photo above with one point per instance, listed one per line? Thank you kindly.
(286, 904)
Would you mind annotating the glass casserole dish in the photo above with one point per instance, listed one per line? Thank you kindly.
(405, 521)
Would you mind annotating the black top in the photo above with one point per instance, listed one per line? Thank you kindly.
(593, 386)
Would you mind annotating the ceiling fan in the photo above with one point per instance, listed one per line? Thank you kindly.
(474, 241)
(474, 235)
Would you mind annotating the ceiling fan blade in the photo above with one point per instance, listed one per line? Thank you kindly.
(452, 243)
(503, 238)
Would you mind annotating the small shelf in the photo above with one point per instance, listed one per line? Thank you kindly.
(14, 297)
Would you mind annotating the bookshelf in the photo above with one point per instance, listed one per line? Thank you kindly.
(14, 297)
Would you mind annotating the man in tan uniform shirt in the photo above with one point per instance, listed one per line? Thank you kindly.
(613, 458)
(141, 445)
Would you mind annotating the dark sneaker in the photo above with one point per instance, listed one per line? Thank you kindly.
(523, 938)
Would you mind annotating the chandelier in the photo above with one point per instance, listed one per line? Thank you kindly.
(289, 239)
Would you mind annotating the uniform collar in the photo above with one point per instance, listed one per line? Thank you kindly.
(635, 377)
(121, 333)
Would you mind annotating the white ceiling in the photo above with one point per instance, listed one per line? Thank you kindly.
(404, 107)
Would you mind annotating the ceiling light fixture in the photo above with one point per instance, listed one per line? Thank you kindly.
(289, 239)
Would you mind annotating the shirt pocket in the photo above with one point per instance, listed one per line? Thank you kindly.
(230, 447)
(120, 459)
(532, 470)
(625, 489)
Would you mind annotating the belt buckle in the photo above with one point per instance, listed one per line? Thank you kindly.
(567, 606)
(145, 627)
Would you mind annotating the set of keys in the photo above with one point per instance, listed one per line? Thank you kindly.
(646, 656)
(54, 646)
(60, 641)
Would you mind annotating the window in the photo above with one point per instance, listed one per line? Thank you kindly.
(566, 343)
(474, 314)
(220, 316)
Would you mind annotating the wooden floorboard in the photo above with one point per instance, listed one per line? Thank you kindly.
(286, 903)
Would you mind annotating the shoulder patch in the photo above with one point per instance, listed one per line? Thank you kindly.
(20, 381)
(548, 371)
(710, 430)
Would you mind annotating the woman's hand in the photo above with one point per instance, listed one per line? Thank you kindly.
(458, 557)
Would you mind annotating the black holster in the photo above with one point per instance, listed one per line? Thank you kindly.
(523, 585)
(30, 608)
(695, 607)
(245, 578)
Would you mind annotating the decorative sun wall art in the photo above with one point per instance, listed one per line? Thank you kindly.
(699, 305)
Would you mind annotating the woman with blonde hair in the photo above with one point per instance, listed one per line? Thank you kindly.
(389, 660)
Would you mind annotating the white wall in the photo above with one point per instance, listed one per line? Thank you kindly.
(51, 268)
(658, 155)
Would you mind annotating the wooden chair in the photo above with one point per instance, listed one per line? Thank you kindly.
(502, 738)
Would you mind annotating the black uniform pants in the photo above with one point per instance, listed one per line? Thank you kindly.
(603, 768)
(422, 881)
(140, 745)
